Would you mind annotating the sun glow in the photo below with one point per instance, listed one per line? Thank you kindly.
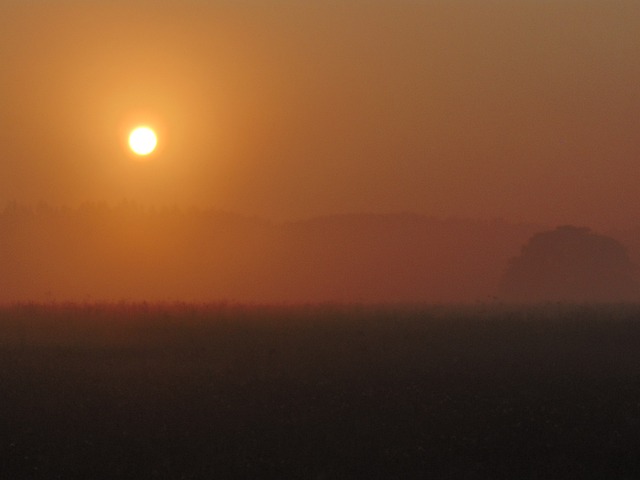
(143, 141)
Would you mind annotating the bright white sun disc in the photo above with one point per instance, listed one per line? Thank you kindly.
(143, 141)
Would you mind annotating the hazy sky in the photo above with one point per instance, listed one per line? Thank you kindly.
(522, 109)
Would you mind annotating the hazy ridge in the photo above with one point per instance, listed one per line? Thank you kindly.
(127, 252)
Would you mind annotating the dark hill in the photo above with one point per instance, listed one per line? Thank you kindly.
(571, 264)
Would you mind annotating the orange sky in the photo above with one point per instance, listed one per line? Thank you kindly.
(527, 110)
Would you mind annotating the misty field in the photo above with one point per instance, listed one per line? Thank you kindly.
(224, 391)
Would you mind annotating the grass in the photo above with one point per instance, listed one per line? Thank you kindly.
(326, 391)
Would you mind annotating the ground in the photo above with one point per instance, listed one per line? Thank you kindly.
(179, 391)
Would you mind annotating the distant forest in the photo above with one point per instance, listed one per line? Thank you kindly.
(127, 252)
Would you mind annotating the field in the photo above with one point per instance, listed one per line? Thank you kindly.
(146, 391)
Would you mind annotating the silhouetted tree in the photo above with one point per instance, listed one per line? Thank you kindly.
(571, 264)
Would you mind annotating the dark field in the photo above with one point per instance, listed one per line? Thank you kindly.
(181, 392)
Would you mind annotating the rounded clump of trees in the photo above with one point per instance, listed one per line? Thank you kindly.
(571, 264)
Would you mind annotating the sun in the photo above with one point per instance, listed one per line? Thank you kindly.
(143, 141)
